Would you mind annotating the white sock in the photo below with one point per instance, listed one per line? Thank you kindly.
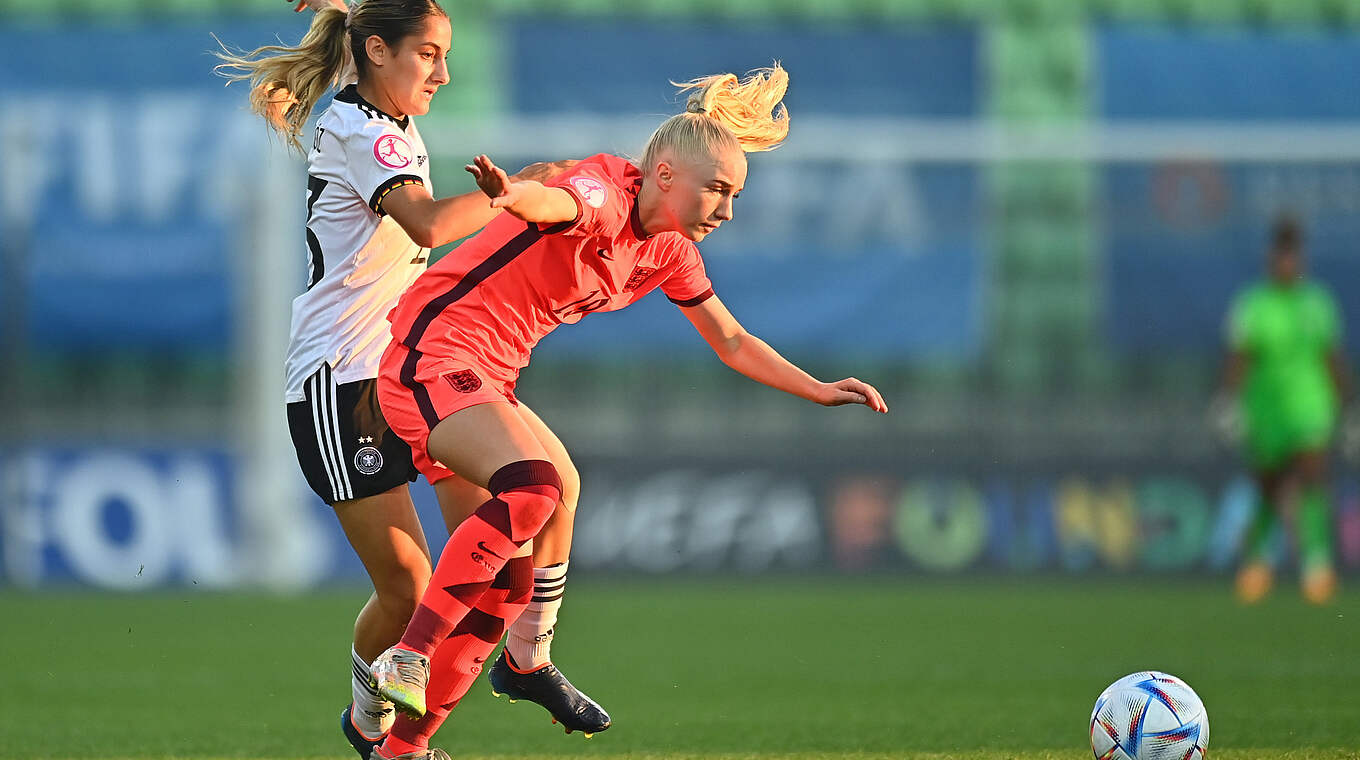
(530, 639)
(372, 714)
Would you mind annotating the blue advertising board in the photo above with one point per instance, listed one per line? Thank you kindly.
(625, 67)
(1181, 236)
(124, 192)
(140, 519)
(121, 519)
(1227, 73)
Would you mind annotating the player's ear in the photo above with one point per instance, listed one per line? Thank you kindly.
(665, 175)
(376, 49)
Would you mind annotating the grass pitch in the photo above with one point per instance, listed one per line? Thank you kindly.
(788, 669)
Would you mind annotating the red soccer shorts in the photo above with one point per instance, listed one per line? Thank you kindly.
(416, 391)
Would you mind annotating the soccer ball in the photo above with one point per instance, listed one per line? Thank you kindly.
(1149, 716)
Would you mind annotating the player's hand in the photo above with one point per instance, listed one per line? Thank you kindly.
(1225, 419)
(319, 5)
(491, 179)
(852, 391)
(544, 170)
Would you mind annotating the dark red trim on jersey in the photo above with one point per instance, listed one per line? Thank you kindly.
(695, 301)
(489, 266)
(396, 181)
(580, 209)
(634, 217)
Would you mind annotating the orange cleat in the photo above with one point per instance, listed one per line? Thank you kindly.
(1253, 582)
(1319, 584)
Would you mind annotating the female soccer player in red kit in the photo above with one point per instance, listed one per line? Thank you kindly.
(602, 235)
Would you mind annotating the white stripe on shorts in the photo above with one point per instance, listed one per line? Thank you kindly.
(341, 469)
(323, 442)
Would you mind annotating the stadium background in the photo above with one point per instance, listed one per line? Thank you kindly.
(1022, 220)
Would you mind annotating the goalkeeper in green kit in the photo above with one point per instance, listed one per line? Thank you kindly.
(1286, 367)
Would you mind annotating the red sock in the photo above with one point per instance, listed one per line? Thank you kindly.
(458, 661)
(524, 495)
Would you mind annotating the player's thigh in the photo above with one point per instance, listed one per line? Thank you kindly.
(458, 499)
(477, 441)
(557, 454)
(552, 545)
(1304, 437)
(386, 535)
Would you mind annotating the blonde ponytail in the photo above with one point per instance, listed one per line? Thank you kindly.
(287, 82)
(725, 112)
(749, 107)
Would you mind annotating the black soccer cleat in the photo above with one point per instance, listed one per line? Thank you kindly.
(356, 740)
(548, 688)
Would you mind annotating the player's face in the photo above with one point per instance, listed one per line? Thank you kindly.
(1286, 264)
(415, 69)
(701, 192)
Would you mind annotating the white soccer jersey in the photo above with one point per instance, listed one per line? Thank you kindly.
(359, 259)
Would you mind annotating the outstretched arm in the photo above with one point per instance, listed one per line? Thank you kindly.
(432, 223)
(754, 358)
(527, 199)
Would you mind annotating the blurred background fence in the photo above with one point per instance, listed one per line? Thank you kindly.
(1023, 221)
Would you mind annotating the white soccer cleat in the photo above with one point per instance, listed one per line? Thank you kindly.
(401, 676)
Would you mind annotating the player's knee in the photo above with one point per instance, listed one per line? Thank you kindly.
(530, 490)
(529, 509)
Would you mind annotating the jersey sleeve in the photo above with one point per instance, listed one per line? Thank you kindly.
(686, 282)
(380, 159)
(602, 208)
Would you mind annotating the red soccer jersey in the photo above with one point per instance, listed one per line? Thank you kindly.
(491, 299)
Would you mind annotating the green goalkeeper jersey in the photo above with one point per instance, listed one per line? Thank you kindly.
(1287, 333)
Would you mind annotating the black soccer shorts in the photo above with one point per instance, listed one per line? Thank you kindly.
(343, 444)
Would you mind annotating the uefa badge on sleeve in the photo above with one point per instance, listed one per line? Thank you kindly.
(392, 151)
(592, 191)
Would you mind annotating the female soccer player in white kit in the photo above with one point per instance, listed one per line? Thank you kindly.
(371, 222)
